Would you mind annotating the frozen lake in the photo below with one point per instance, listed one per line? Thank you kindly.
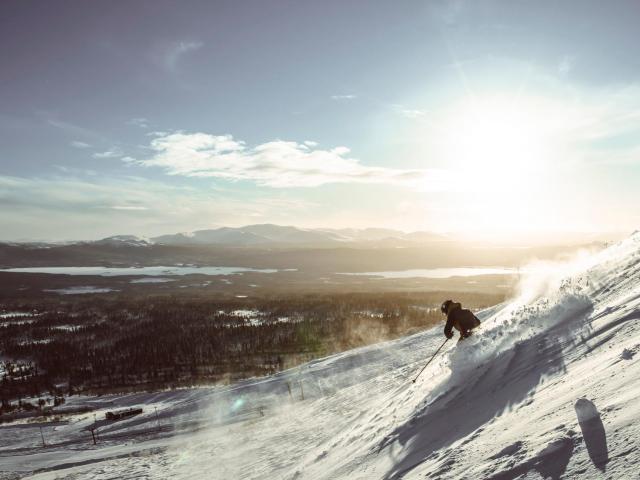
(80, 290)
(151, 271)
(441, 272)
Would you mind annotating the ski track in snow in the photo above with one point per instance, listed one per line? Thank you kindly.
(547, 388)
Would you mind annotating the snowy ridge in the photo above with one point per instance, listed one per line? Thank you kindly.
(288, 235)
(547, 388)
(124, 241)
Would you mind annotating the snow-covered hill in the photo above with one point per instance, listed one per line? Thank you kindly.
(548, 388)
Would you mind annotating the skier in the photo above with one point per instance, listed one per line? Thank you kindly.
(462, 319)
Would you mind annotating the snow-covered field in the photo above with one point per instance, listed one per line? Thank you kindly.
(549, 387)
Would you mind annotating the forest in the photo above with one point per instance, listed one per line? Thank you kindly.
(99, 344)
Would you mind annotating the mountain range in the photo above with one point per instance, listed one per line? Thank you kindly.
(269, 234)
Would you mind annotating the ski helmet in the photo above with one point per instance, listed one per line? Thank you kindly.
(445, 306)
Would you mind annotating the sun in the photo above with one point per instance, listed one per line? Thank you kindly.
(496, 140)
(498, 153)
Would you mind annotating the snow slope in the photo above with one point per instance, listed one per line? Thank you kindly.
(548, 388)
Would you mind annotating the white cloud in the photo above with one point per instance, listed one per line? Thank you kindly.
(274, 164)
(411, 113)
(113, 153)
(343, 97)
(68, 127)
(129, 207)
(176, 51)
(139, 122)
(79, 144)
(75, 171)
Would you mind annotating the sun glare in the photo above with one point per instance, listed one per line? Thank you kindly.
(496, 141)
(500, 150)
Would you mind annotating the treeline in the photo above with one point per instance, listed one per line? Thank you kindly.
(101, 345)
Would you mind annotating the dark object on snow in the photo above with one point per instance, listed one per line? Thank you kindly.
(593, 433)
(120, 414)
(459, 318)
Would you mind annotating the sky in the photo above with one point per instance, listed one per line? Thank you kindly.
(485, 118)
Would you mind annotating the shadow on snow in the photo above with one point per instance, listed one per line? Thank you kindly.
(490, 389)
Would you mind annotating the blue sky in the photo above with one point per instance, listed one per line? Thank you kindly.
(486, 118)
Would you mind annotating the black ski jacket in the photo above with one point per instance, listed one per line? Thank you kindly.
(461, 319)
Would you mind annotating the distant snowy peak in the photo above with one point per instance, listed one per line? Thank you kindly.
(222, 236)
(265, 234)
(124, 241)
(262, 235)
(365, 234)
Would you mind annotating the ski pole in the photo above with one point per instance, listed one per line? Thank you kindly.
(434, 356)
